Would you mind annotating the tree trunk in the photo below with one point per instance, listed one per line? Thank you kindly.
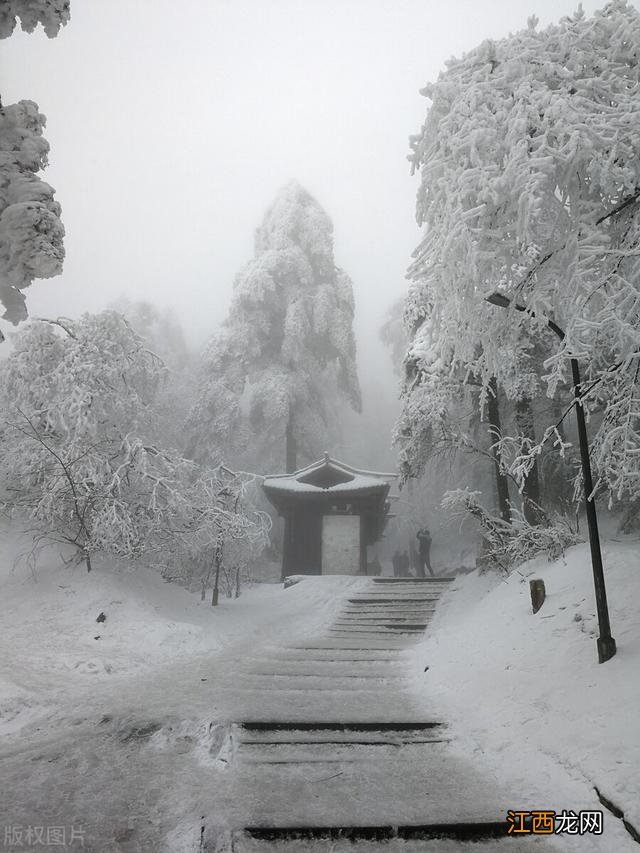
(291, 450)
(215, 595)
(502, 483)
(531, 489)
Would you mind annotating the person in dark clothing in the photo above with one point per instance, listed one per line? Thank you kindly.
(424, 552)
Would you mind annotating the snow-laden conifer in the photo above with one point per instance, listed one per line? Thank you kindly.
(274, 375)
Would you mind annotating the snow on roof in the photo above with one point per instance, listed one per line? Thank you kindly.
(347, 479)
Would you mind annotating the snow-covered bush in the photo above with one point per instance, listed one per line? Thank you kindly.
(77, 403)
(505, 545)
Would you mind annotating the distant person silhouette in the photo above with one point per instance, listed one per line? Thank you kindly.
(424, 552)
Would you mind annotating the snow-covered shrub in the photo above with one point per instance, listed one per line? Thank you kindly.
(506, 545)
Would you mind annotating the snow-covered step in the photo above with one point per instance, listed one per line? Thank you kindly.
(394, 639)
(376, 614)
(421, 784)
(261, 701)
(383, 625)
(399, 581)
(332, 655)
(296, 683)
(385, 598)
(368, 618)
(322, 753)
(381, 630)
(369, 604)
(346, 659)
(399, 627)
(363, 736)
(335, 672)
(348, 726)
(333, 644)
(374, 604)
(382, 619)
(357, 668)
(368, 840)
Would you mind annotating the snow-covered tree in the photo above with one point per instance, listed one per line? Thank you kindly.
(394, 335)
(530, 188)
(31, 232)
(77, 406)
(52, 14)
(274, 376)
(163, 335)
(160, 329)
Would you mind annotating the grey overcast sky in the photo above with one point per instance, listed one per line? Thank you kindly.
(173, 124)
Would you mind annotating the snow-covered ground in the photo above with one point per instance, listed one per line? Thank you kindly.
(54, 649)
(116, 726)
(525, 694)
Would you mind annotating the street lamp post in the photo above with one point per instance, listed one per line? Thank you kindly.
(606, 644)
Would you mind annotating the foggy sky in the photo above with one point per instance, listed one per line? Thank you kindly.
(173, 125)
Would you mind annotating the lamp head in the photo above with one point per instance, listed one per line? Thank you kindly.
(498, 299)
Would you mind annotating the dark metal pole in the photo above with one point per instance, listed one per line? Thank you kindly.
(606, 644)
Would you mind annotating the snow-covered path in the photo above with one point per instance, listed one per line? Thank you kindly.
(304, 718)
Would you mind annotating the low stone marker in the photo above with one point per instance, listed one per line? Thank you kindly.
(538, 593)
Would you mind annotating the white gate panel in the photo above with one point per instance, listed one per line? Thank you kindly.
(340, 544)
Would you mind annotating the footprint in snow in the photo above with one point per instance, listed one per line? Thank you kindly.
(87, 666)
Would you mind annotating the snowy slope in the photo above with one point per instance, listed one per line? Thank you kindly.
(525, 692)
(52, 648)
(119, 735)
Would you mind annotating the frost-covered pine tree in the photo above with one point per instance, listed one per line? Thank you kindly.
(31, 232)
(530, 188)
(275, 375)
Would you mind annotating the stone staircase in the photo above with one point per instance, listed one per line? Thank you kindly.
(335, 749)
